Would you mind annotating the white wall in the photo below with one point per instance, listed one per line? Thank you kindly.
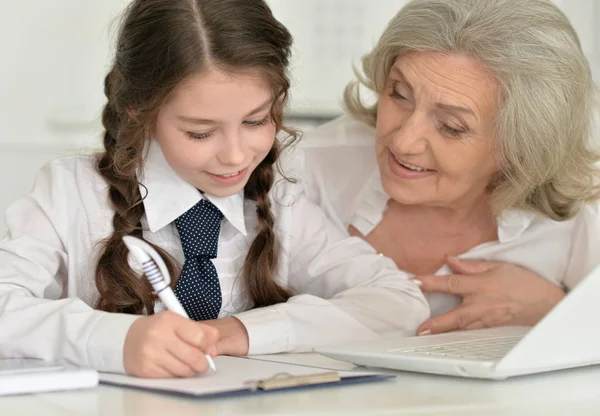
(53, 60)
(331, 35)
(55, 55)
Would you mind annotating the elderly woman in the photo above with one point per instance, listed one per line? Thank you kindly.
(474, 169)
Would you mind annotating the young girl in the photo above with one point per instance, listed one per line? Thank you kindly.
(195, 99)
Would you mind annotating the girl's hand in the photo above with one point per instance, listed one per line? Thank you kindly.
(494, 294)
(168, 345)
(233, 338)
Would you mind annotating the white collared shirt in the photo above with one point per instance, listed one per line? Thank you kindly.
(341, 173)
(343, 289)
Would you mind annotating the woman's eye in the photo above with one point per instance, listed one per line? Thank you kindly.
(397, 96)
(451, 131)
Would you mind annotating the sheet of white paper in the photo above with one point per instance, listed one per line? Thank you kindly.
(307, 359)
(10, 366)
(25, 375)
(233, 374)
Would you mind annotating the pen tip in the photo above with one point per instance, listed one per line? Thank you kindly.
(211, 363)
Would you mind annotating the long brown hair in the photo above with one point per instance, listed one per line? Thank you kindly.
(160, 43)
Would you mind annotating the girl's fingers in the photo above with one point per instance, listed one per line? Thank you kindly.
(174, 367)
(191, 356)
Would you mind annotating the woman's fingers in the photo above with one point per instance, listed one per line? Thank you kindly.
(470, 267)
(459, 318)
(455, 284)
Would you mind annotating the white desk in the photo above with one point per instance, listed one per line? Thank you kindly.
(570, 392)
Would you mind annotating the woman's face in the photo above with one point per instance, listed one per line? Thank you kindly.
(435, 137)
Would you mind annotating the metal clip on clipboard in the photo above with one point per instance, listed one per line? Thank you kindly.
(285, 380)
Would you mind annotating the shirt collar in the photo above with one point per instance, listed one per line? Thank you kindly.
(513, 222)
(168, 196)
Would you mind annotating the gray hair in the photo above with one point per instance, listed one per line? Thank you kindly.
(547, 100)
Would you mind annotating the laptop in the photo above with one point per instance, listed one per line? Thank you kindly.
(568, 336)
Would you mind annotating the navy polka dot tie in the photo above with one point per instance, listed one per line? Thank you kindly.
(198, 287)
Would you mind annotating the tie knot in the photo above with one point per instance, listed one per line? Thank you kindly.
(199, 230)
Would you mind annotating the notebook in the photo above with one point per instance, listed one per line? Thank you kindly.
(566, 337)
(237, 375)
(25, 375)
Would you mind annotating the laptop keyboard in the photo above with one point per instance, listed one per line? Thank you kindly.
(486, 349)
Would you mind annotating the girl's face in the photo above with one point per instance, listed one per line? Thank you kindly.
(216, 129)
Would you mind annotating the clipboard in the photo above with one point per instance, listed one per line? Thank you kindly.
(237, 375)
(285, 381)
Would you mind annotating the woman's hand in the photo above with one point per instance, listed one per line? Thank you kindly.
(233, 338)
(168, 345)
(494, 294)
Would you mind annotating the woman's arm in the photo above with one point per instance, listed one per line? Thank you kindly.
(500, 294)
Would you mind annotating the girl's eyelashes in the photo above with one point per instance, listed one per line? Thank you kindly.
(256, 123)
(199, 136)
(250, 123)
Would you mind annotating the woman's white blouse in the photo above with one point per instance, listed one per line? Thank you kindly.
(341, 175)
(343, 289)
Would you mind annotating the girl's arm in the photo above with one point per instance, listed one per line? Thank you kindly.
(41, 315)
(344, 291)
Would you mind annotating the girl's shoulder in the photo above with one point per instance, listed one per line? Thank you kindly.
(72, 171)
(71, 180)
(68, 196)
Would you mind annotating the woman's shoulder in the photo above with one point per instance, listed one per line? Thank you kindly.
(535, 226)
(343, 135)
(588, 218)
(341, 131)
(341, 151)
(332, 166)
